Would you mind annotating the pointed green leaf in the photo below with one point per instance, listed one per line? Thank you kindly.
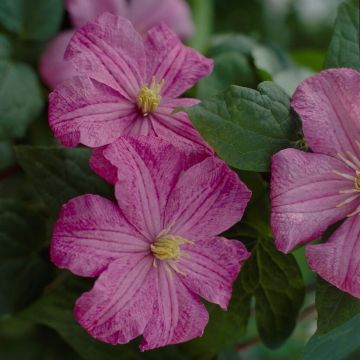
(344, 49)
(246, 127)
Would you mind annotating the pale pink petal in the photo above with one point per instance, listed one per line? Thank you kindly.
(208, 199)
(211, 266)
(305, 193)
(145, 14)
(82, 110)
(168, 59)
(119, 306)
(329, 105)
(178, 314)
(52, 67)
(90, 233)
(338, 260)
(109, 50)
(148, 168)
(177, 127)
(82, 11)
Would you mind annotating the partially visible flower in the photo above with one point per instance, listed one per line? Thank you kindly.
(311, 191)
(158, 248)
(128, 85)
(144, 14)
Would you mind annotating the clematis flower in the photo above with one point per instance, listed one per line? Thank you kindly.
(144, 14)
(128, 85)
(157, 250)
(311, 191)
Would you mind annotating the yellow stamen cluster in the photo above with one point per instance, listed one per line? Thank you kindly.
(167, 247)
(149, 98)
(357, 180)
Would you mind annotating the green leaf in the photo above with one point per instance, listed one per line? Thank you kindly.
(60, 174)
(230, 68)
(290, 78)
(279, 291)
(344, 49)
(23, 273)
(232, 42)
(269, 61)
(337, 344)
(32, 19)
(55, 310)
(334, 307)
(225, 328)
(246, 127)
(203, 13)
(20, 99)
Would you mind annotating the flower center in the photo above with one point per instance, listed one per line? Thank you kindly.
(167, 247)
(353, 191)
(148, 98)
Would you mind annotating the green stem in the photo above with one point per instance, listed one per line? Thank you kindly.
(203, 14)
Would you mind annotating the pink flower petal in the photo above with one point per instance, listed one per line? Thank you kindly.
(167, 58)
(338, 260)
(145, 14)
(329, 105)
(102, 166)
(90, 233)
(208, 199)
(109, 50)
(120, 304)
(53, 68)
(211, 267)
(148, 168)
(82, 11)
(305, 193)
(177, 127)
(178, 314)
(82, 110)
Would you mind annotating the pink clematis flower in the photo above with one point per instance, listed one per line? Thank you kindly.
(144, 14)
(128, 85)
(311, 191)
(158, 248)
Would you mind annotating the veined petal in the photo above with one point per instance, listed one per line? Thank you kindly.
(53, 67)
(211, 266)
(338, 260)
(179, 159)
(148, 168)
(175, 13)
(110, 51)
(178, 314)
(90, 233)
(102, 166)
(167, 58)
(177, 126)
(82, 11)
(119, 306)
(208, 199)
(329, 106)
(305, 194)
(82, 110)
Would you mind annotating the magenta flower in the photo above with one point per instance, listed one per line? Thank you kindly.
(311, 191)
(128, 85)
(158, 248)
(144, 14)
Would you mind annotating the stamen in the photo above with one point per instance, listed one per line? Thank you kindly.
(346, 176)
(357, 211)
(346, 161)
(149, 98)
(347, 201)
(355, 160)
(167, 247)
